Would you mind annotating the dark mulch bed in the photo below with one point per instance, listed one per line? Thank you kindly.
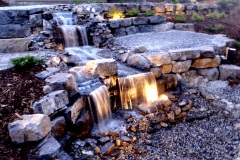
(3, 4)
(18, 90)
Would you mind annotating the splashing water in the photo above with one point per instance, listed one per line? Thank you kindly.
(101, 102)
(137, 89)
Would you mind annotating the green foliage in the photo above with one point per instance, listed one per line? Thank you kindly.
(133, 12)
(76, 1)
(228, 4)
(181, 18)
(237, 43)
(215, 28)
(116, 12)
(215, 15)
(149, 12)
(191, 1)
(175, 1)
(122, 1)
(26, 61)
(197, 17)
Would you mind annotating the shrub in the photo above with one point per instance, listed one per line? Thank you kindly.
(197, 17)
(76, 1)
(149, 13)
(180, 18)
(116, 13)
(175, 1)
(237, 43)
(215, 28)
(133, 12)
(26, 61)
(216, 15)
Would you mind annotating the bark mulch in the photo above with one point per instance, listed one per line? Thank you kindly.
(18, 90)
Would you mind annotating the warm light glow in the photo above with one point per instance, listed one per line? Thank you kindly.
(150, 92)
(163, 97)
(116, 16)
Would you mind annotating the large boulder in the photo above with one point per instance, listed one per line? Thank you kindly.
(15, 31)
(229, 71)
(51, 103)
(114, 23)
(184, 54)
(126, 22)
(211, 74)
(36, 20)
(163, 27)
(206, 62)
(31, 128)
(166, 68)
(140, 20)
(102, 67)
(58, 126)
(182, 66)
(156, 19)
(138, 61)
(63, 81)
(14, 45)
(159, 59)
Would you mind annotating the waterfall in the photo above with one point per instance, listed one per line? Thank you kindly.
(65, 23)
(137, 89)
(101, 102)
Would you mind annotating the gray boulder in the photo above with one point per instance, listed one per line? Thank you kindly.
(131, 30)
(36, 20)
(114, 23)
(51, 103)
(138, 61)
(48, 72)
(15, 31)
(156, 19)
(31, 128)
(229, 71)
(126, 22)
(63, 81)
(184, 54)
(140, 20)
(163, 27)
(14, 45)
(211, 74)
(182, 66)
(159, 59)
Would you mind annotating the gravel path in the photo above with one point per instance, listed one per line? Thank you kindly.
(164, 41)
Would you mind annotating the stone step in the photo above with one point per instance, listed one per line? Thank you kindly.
(14, 45)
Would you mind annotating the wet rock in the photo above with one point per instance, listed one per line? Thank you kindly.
(140, 20)
(229, 71)
(115, 153)
(58, 126)
(206, 62)
(171, 81)
(82, 126)
(157, 72)
(74, 111)
(91, 142)
(143, 109)
(47, 149)
(140, 49)
(159, 60)
(124, 57)
(138, 61)
(102, 67)
(160, 86)
(144, 125)
(14, 45)
(181, 116)
(160, 118)
(36, 20)
(211, 73)
(108, 148)
(71, 59)
(104, 140)
(184, 54)
(51, 103)
(179, 67)
(125, 139)
(188, 106)
(63, 156)
(163, 27)
(31, 128)
(183, 103)
(63, 81)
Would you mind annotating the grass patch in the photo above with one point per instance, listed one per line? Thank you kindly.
(197, 17)
(215, 29)
(215, 15)
(133, 12)
(237, 44)
(175, 1)
(149, 12)
(180, 18)
(26, 61)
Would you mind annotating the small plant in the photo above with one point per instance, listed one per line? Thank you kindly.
(180, 18)
(175, 1)
(149, 12)
(133, 12)
(215, 28)
(216, 15)
(197, 17)
(116, 13)
(76, 1)
(237, 43)
(122, 1)
(26, 61)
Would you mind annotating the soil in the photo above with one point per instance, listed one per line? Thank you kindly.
(18, 90)
(3, 4)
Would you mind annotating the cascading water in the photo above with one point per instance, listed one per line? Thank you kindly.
(137, 89)
(101, 102)
(65, 23)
